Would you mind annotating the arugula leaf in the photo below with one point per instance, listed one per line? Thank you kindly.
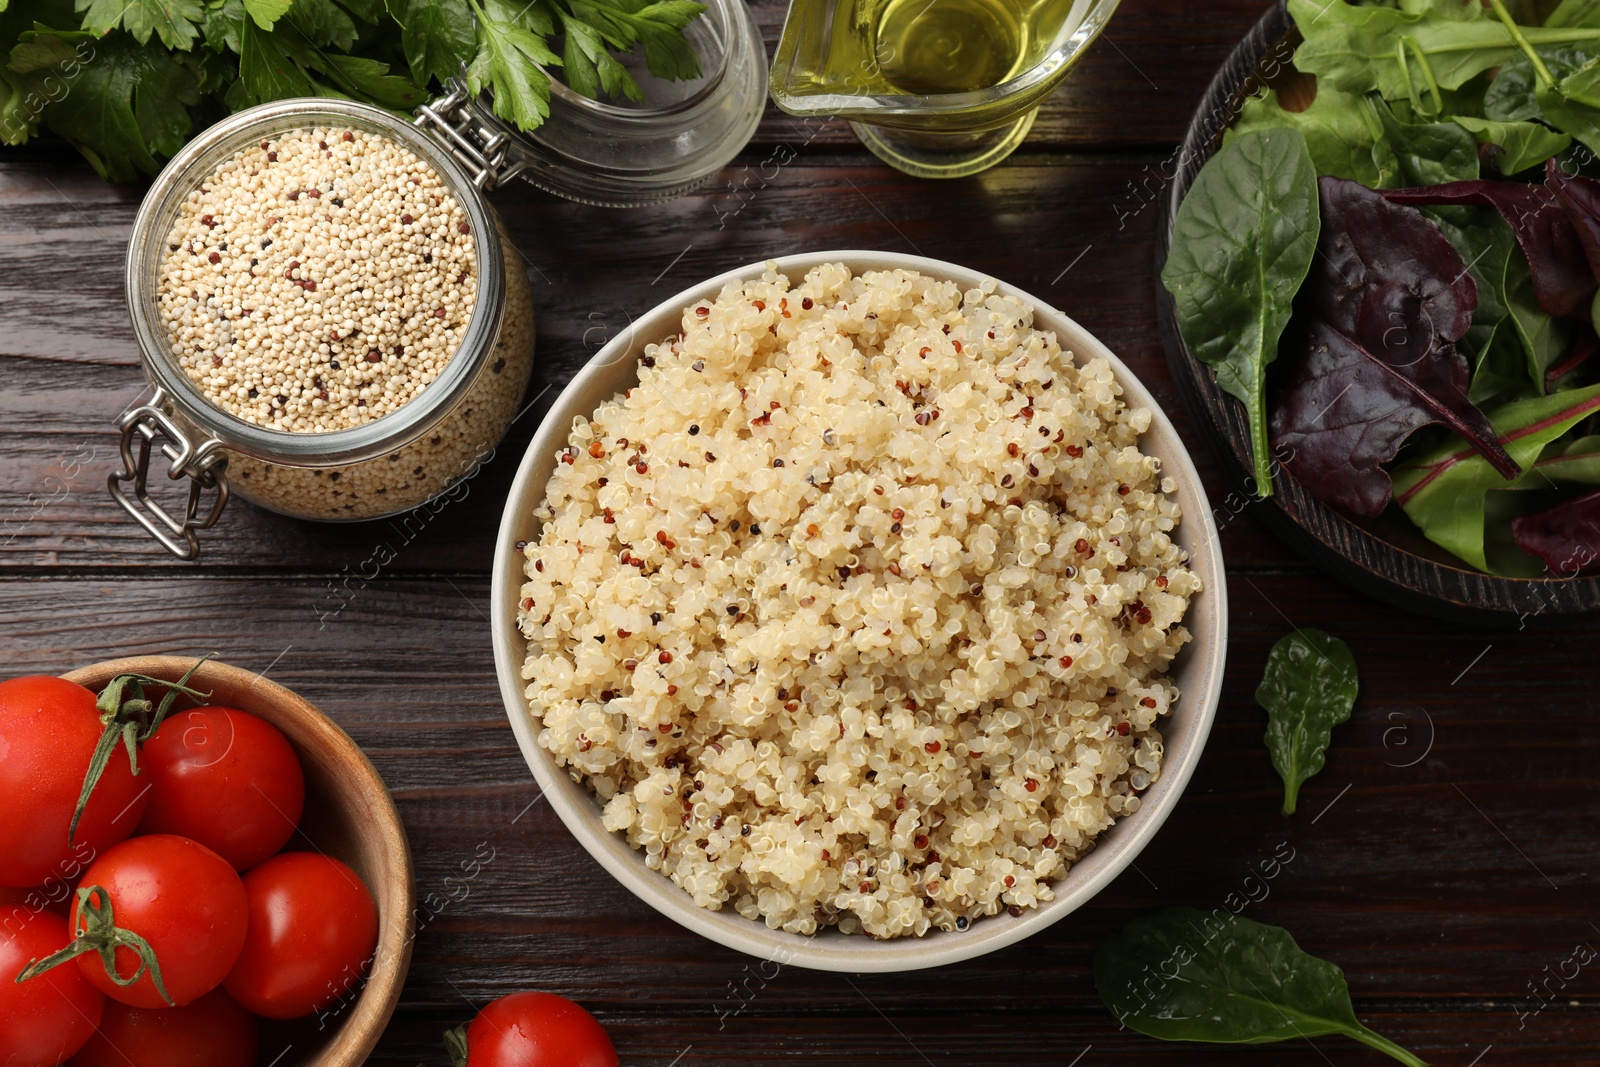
(175, 21)
(1242, 243)
(508, 61)
(1338, 139)
(127, 102)
(1522, 144)
(438, 36)
(1181, 974)
(1308, 688)
(1443, 490)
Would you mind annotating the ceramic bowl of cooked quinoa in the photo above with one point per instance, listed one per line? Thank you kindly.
(858, 611)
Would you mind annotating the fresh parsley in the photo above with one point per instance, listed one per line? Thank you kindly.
(128, 81)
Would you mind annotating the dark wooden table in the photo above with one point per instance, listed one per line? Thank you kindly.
(1445, 858)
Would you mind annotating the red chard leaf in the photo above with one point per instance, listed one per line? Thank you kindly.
(1580, 197)
(1390, 297)
(1562, 277)
(1566, 537)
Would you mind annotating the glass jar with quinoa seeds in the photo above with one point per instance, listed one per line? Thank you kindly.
(334, 323)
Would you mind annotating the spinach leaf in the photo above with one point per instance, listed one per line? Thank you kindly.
(1308, 688)
(1242, 243)
(1543, 337)
(1337, 137)
(1181, 974)
(1566, 537)
(1387, 301)
(1522, 144)
(1405, 54)
(1574, 463)
(1575, 13)
(1442, 491)
(1511, 97)
(1429, 153)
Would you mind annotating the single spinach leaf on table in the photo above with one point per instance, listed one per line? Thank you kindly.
(1566, 537)
(1522, 144)
(1442, 491)
(1337, 137)
(1242, 243)
(1387, 301)
(1182, 974)
(1308, 688)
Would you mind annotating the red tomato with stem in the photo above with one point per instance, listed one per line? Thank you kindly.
(532, 1030)
(226, 779)
(48, 1017)
(49, 728)
(185, 901)
(211, 1032)
(313, 930)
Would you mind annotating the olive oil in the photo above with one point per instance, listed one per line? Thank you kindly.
(949, 46)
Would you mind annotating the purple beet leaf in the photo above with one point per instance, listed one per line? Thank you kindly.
(1566, 537)
(1389, 297)
(1562, 277)
(1580, 197)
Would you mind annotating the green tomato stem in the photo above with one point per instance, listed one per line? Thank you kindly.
(130, 720)
(1383, 1044)
(100, 933)
(455, 1042)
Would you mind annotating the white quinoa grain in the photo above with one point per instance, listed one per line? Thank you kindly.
(856, 610)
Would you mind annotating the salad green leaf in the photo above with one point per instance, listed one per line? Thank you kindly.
(1182, 974)
(1337, 137)
(1522, 144)
(1443, 490)
(1308, 688)
(1409, 154)
(1243, 241)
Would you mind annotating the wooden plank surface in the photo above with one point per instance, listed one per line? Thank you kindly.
(1445, 858)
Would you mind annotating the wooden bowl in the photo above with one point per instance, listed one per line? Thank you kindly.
(349, 816)
(1197, 671)
(1386, 557)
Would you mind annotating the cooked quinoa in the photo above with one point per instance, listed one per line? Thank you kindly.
(856, 610)
(318, 280)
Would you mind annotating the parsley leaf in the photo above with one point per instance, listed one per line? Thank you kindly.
(437, 34)
(173, 20)
(508, 61)
(123, 104)
(266, 13)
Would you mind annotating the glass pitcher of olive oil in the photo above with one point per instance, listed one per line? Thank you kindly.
(936, 88)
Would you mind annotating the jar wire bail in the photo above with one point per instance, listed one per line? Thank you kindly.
(202, 464)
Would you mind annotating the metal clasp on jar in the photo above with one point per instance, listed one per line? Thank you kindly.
(454, 121)
(202, 464)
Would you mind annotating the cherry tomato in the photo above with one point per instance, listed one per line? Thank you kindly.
(50, 727)
(533, 1030)
(211, 1032)
(226, 779)
(182, 898)
(49, 1017)
(313, 930)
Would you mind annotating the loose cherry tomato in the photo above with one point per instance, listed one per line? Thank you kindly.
(49, 1017)
(51, 727)
(211, 1032)
(226, 779)
(313, 930)
(532, 1030)
(185, 900)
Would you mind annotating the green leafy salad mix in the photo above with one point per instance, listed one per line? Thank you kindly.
(128, 81)
(1397, 277)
